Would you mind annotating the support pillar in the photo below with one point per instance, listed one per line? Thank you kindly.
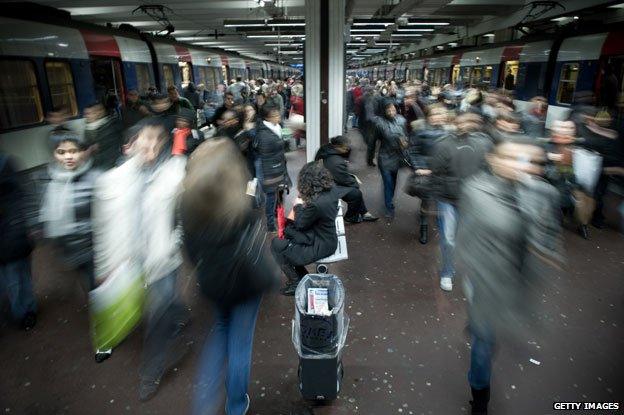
(323, 72)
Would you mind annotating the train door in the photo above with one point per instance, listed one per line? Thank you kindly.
(186, 69)
(225, 71)
(108, 81)
(168, 77)
(454, 74)
(508, 78)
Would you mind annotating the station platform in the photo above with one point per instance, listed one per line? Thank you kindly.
(407, 349)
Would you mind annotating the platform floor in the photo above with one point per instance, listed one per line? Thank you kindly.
(407, 350)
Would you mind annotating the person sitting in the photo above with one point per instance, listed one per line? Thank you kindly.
(335, 156)
(312, 234)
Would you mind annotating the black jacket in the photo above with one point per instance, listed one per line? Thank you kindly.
(14, 241)
(109, 140)
(269, 149)
(312, 235)
(335, 160)
(232, 265)
(391, 132)
(421, 145)
(455, 159)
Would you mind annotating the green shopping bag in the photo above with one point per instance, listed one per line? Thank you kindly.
(116, 306)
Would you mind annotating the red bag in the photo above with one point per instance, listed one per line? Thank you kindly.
(280, 214)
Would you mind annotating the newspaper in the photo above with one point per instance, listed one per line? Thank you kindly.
(317, 302)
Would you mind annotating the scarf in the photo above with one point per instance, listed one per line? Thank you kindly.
(277, 129)
(57, 210)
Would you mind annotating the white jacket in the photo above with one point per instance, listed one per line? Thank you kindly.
(134, 218)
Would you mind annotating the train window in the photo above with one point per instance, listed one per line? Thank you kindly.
(61, 84)
(20, 101)
(487, 74)
(143, 78)
(567, 83)
(168, 76)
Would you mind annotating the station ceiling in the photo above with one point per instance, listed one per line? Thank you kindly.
(272, 29)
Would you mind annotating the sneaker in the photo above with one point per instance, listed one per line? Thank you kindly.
(446, 283)
(369, 217)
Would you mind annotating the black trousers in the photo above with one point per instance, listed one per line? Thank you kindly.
(293, 272)
(370, 139)
(355, 203)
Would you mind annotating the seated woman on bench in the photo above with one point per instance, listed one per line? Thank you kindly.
(311, 235)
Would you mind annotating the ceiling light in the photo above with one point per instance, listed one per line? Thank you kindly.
(575, 17)
(406, 35)
(412, 23)
(244, 24)
(372, 29)
(452, 44)
(560, 19)
(291, 52)
(613, 6)
(489, 35)
(411, 29)
(367, 35)
(275, 36)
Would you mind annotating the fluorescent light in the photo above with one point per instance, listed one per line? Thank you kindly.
(380, 29)
(287, 24)
(409, 29)
(244, 25)
(291, 52)
(367, 35)
(452, 44)
(427, 23)
(559, 19)
(489, 35)
(275, 36)
(63, 45)
(386, 22)
(616, 6)
(406, 35)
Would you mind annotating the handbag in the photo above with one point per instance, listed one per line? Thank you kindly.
(418, 185)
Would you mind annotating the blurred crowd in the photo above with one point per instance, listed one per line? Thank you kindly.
(501, 181)
(203, 175)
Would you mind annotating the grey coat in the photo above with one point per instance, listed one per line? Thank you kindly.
(504, 228)
(390, 132)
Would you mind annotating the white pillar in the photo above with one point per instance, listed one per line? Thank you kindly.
(336, 80)
(323, 72)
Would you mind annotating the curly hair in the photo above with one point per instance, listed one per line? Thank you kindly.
(313, 180)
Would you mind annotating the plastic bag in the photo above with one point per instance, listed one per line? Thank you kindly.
(116, 306)
(587, 167)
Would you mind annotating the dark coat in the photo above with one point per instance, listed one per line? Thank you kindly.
(421, 145)
(14, 241)
(109, 140)
(312, 235)
(269, 149)
(232, 265)
(455, 159)
(390, 132)
(335, 160)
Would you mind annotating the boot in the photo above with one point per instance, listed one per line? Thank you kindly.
(423, 233)
(479, 402)
(293, 280)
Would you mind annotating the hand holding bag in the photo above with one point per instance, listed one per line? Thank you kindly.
(418, 185)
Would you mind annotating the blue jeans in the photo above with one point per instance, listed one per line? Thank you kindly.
(227, 352)
(164, 315)
(270, 208)
(481, 360)
(16, 284)
(389, 178)
(447, 223)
